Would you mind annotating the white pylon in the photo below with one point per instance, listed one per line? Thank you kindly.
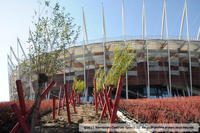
(182, 20)
(185, 15)
(143, 21)
(86, 38)
(146, 45)
(198, 34)
(164, 21)
(104, 39)
(18, 41)
(124, 39)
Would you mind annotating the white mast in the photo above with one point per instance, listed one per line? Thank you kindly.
(146, 44)
(164, 21)
(84, 67)
(124, 39)
(198, 35)
(18, 41)
(10, 61)
(182, 21)
(17, 59)
(188, 39)
(104, 38)
(123, 22)
(32, 92)
(86, 38)
(143, 21)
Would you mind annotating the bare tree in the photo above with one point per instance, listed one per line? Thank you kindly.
(53, 31)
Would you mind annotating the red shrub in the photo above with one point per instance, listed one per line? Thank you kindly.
(164, 110)
(8, 118)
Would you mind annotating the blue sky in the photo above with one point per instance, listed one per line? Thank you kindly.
(16, 16)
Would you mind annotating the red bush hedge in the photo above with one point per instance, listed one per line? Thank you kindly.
(164, 110)
(8, 118)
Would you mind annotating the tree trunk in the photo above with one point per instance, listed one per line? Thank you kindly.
(42, 78)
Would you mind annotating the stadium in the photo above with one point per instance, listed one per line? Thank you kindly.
(165, 66)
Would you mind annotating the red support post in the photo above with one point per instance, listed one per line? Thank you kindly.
(116, 102)
(15, 128)
(97, 102)
(59, 104)
(75, 97)
(54, 106)
(102, 99)
(21, 97)
(104, 107)
(103, 111)
(21, 119)
(69, 100)
(44, 93)
(72, 99)
(17, 125)
(107, 103)
(111, 103)
(63, 104)
(67, 104)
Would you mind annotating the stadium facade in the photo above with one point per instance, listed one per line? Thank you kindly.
(165, 66)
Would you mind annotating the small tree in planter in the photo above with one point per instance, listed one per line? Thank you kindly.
(79, 87)
(53, 30)
(98, 86)
(99, 77)
(123, 58)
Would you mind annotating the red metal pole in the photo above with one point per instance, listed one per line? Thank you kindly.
(107, 103)
(104, 107)
(72, 98)
(69, 99)
(67, 104)
(97, 101)
(54, 106)
(59, 104)
(44, 93)
(103, 111)
(63, 102)
(102, 99)
(21, 97)
(117, 99)
(75, 98)
(17, 125)
(20, 118)
(111, 103)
